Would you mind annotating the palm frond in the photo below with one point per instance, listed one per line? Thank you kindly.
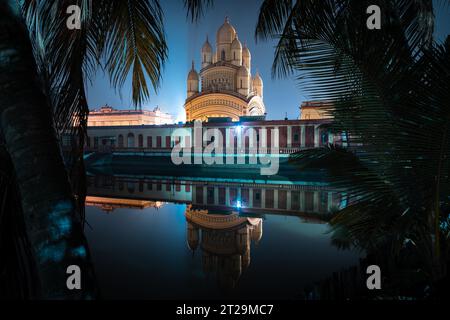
(135, 43)
(273, 17)
(388, 91)
(196, 8)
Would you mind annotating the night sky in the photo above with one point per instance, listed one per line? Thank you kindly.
(281, 96)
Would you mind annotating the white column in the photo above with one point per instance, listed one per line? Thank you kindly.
(275, 199)
(289, 200)
(263, 198)
(275, 138)
(302, 201)
(330, 201)
(302, 136)
(316, 201)
(316, 137)
(250, 196)
(289, 137)
(263, 137)
(229, 158)
(227, 196)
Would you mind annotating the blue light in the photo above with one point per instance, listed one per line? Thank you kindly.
(238, 204)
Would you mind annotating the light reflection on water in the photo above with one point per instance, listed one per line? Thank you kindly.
(171, 241)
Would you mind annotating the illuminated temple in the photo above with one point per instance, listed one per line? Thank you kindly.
(225, 95)
(224, 87)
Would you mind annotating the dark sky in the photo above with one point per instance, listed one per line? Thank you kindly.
(185, 41)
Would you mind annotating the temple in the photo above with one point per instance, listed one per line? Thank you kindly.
(223, 95)
(224, 87)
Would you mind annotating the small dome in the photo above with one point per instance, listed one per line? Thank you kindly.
(236, 44)
(207, 47)
(246, 52)
(243, 71)
(257, 81)
(193, 75)
(226, 33)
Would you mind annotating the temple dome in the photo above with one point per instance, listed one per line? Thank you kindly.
(226, 33)
(257, 81)
(246, 52)
(207, 47)
(193, 75)
(236, 44)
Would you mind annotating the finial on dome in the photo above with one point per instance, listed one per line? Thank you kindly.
(193, 65)
(227, 19)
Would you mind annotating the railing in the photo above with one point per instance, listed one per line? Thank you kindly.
(246, 151)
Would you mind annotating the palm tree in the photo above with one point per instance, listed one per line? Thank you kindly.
(390, 91)
(43, 70)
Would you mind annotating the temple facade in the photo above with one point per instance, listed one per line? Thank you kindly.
(224, 86)
(224, 95)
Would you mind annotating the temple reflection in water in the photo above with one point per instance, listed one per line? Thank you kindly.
(223, 220)
(224, 240)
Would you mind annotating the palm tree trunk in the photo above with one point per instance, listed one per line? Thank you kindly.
(53, 227)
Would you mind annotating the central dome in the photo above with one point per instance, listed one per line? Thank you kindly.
(226, 33)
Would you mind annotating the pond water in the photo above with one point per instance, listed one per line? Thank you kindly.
(166, 239)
